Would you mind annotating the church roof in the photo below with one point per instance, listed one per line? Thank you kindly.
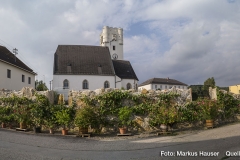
(162, 81)
(82, 60)
(124, 70)
(8, 57)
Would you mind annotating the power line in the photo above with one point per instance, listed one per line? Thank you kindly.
(6, 43)
(22, 58)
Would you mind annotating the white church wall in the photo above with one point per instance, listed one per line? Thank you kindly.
(118, 82)
(76, 81)
(131, 81)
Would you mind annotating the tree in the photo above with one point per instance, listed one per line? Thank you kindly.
(40, 86)
(210, 82)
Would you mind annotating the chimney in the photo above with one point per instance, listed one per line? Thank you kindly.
(100, 69)
(69, 68)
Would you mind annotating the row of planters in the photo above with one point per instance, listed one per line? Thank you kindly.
(23, 113)
(115, 109)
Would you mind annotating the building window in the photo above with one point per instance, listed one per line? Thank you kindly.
(114, 48)
(65, 84)
(165, 87)
(155, 86)
(106, 84)
(160, 86)
(8, 73)
(29, 80)
(129, 86)
(23, 78)
(85, 84)
(170, 87)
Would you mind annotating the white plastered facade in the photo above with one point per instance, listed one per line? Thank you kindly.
(113, 39)
(160, 86)
(15, 81)
(76, 81)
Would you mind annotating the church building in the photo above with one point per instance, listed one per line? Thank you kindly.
(86, 67)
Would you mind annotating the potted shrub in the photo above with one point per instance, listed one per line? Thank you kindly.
(163, 115)
(124, 118)
(64, 118)
(50, 120)
(2, 117)
(210, 110)
(5, 115)
(21, 114)
(84, 118)
(36, 113)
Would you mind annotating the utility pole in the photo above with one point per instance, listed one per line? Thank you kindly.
(50, 85)
(15, 51)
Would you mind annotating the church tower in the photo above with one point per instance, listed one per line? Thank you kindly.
(113, 39)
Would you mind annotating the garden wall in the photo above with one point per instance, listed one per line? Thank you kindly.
(27, 92)
(142, 121)
(213, 93)
(185, 94)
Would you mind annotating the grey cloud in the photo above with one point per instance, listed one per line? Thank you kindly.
(190, 40)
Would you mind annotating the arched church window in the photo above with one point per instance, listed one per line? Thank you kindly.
(65, 84)
(106, 84)
(129, 86)
(85, 84)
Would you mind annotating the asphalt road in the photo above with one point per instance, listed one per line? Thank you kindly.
(217, 143)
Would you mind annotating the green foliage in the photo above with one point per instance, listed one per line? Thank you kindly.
(65, 116)
(230, 105)
(50, 119)
(190, 112)
(20, 107)
(198, 92)
(40, 86)
(124, 116)
(210, 82)
(6, 115)
(210, 108)
(164, 110)
(86, 117)
(38, 109)
(163, 114)
(105, 109)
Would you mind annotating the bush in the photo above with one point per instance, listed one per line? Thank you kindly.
(191, 112)
(86, 117)
(124, 116)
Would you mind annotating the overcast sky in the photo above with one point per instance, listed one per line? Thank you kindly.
(186, 40)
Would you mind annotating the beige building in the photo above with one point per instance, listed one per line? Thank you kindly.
(14, 74)
(235, 89)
